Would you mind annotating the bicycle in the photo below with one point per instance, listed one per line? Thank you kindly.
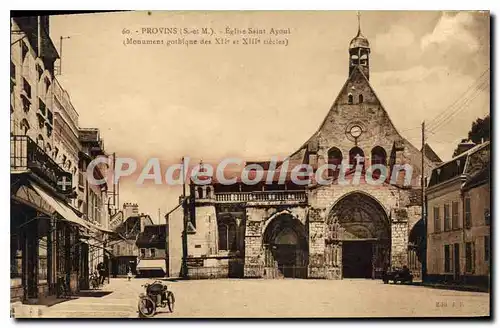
(94, 282)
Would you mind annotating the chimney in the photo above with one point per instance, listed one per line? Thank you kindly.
(464, 146)
(130, 209)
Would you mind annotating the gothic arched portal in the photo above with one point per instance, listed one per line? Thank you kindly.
(358, 234)
(285, 248)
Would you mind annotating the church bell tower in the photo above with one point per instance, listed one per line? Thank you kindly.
(359, 52)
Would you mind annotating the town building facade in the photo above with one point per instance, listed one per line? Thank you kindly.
(458, 229)
(49, 232)
(152, 256)
(340, 230)
(123, 244)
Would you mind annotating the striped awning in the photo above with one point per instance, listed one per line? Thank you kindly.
(151, 264)
(59, 207)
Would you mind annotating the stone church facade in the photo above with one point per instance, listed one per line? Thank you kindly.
(329, 231)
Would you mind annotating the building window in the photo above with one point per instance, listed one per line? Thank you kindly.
(454, 215)
(63, 160)
(350, 99)
(56, 152)
(39, 141)
(39, 69)
(379, 156)
(469, 257)
(486, 248)
(447, 219)
(13, 71)
(361, 99)
(152, 252)
(25, 126)
(447, 258)
(227, 235)
(27, 88)
(356, 155)
(24, 51)
(334, 158)
(143, 253)
(467, 213)
(437, 220)
(200, 192)
(46, 81)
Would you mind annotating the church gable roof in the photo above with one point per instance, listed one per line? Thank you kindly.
(431, 154)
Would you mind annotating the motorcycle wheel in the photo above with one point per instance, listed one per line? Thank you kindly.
(146, 307)
(170, 301)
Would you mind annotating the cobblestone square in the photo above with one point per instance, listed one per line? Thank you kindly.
(280, 298)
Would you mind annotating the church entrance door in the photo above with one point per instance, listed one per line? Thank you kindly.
(360, 224)
(357, 259)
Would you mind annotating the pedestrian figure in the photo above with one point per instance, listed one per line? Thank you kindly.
(129, 274)
(102, 271)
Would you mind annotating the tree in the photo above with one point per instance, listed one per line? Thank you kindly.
(480, 130)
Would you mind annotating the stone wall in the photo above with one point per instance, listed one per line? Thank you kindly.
(316, 243)
(203, 242)
(399, 237)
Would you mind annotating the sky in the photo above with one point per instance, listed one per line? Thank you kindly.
(213, 101)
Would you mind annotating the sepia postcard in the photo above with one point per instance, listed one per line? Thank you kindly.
(250, 164)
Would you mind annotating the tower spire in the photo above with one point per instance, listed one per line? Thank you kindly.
(359, 22)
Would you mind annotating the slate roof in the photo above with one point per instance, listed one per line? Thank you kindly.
(152, 235)
(466, 164)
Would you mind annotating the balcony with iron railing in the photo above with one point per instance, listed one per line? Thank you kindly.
(26, 155)
(282, 196)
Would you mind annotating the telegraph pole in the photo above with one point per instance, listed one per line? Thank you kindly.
(424, 209)
(185, 224)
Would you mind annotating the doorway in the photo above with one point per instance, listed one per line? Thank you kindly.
(357, 257)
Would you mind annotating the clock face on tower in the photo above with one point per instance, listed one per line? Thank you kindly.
(355, 131)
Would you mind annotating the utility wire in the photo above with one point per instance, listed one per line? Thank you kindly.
(443, 114)
(464, 105)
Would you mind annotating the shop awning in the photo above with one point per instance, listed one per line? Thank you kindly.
(59, 207)
(146, 264)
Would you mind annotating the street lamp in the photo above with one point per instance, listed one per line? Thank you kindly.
(60, 51)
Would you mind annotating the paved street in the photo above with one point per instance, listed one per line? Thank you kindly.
(281, 298)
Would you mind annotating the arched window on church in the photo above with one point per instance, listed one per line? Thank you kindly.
(335, 158)
(356, 155)
(363, 60)
(350, 99)
(361, 99)
(200, 192)
(209, 192)
(354, 60)
(379, 156)
(227, 235)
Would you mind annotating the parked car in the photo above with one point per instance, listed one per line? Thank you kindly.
(396, 274)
